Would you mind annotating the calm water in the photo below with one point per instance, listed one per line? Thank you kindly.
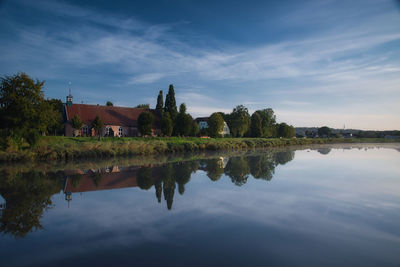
(320, 206)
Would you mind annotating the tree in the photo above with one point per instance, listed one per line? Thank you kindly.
(147, 106)
(238, 170)
(98, 126)
(268, 122)
(170, 103)
(56, 125)
(76, 122)
(324, 131)
(109, 104)
(145, 123)
(286, 131)
(166, 124)
(195, 128)
(215, 125)
(23, 110)
(160, 101)
(256, 125)
(239, 121)
(184, 122)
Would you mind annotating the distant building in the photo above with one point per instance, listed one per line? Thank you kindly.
(118, 121)
(203, 124)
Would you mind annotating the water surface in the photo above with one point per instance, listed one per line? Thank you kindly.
(324, 205)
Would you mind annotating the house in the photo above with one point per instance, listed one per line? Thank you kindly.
(203, 124)
(117, 121)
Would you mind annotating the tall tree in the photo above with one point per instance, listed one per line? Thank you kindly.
(170, 103)
(184, 122)
(215, 125)
(56, 127)
(76, 122)
(166, 124)
(286, 131)
(195, 128)
(160, 101)
(97, 125)
(256, 125)
(23, 110)
(239, 121)
(268, 121)
(145, 123)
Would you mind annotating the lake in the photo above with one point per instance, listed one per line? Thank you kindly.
(320, 205)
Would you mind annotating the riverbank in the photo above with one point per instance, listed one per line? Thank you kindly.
(68, 148)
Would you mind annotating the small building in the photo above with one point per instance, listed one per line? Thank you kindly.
(203, 124)
(117, 121)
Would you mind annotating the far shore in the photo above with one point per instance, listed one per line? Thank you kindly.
(59, 148)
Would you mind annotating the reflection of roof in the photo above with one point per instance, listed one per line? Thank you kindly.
(110, 115)
(106, 181)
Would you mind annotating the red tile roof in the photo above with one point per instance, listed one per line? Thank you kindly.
(119, 116)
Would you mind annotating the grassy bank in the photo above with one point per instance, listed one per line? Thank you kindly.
(67, 148)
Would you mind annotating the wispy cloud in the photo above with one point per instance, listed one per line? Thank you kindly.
(125, 52)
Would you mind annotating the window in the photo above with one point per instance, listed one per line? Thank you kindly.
(85, 130)
(120, 131)
(108, 128)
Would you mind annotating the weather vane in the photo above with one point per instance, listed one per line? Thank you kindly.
(69, 87)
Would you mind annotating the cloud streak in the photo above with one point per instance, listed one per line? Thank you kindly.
(135, 53)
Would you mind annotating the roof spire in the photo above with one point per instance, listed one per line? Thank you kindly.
(69, 97)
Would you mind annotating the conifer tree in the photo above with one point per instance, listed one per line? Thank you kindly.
(170, 103)
(160, 101)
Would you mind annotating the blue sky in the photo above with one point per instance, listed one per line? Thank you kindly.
(315, 63)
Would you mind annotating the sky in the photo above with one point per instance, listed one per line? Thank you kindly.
(324, 62)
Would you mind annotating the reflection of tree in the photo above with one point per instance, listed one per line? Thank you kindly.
(238, 170)
(214, 168)
(167, 176)
(324, 150)
(183, 171)
(283, 157)
(158, 187)
(27, 195)
(262, 166)
(96, 176)
(75, 179)
(144, 178)
(169, 185)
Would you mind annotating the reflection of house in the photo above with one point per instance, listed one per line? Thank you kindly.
(118, 121)
(2, 205)
(203, 124)
(94, 181)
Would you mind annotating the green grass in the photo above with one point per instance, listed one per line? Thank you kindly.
(68, 148)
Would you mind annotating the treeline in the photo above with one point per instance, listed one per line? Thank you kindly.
(262, 123)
